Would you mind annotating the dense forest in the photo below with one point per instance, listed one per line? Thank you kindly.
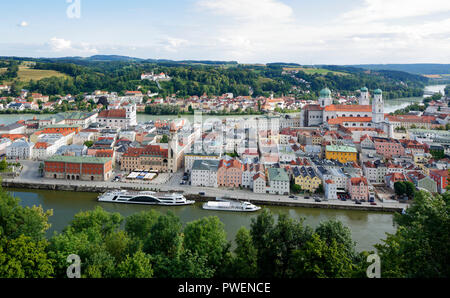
(417, 68)
(151, 244)
(211, 78)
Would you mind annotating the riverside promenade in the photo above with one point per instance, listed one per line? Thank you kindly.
(193, 193)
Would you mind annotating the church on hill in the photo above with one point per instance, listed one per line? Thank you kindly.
(363, 115)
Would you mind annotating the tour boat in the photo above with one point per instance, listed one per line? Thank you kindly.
(144, 197)
(222, 204)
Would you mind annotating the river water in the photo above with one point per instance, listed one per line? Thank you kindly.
(368, 228)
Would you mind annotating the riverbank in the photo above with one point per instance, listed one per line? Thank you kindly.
(193, 193)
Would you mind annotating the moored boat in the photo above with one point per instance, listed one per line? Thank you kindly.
(222, 204)
(144, 197)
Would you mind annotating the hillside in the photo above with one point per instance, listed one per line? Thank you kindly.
(418, 68)
(77, 75)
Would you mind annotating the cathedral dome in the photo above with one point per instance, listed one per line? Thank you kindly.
(325, 92)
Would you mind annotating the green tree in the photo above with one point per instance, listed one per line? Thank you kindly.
(165, 236)
(136, 266)
(88, 144)
(23, 257)
(16, 220)
(3, 165)
(164, 139)
(399, 188)
(419, 247)
(319, 259)
(207, 237)
(410, 189)
(139, 225)
(244, 262)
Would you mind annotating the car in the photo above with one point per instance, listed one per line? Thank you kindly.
(357, 202)
(202, 193)
(317, 200)
(307, 197)
(363, 200)
(373, 203)
(291, 197)
(343, 199)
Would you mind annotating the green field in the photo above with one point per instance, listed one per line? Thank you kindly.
(26, 74)
(310, 71)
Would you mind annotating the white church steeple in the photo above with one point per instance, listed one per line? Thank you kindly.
(377, 107)
(325, 98)
(364, 97)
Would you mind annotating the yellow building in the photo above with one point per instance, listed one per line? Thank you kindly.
(306, 178)
(341, 153)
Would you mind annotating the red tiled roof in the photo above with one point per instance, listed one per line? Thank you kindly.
(358, 180)
(41, 145)
(112, 114)
(349, 108)
(341, 120)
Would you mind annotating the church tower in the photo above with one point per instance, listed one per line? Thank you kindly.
(325, 98)
(173, 149)
(364, 97)
(377, 107)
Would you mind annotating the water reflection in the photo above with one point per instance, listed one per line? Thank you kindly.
(367, 227)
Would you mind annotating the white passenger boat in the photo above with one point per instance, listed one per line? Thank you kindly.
(144, 197)
(222, 204)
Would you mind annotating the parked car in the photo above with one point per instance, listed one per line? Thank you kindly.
(373, 203)
(357, 202)
(291, 197)
(201, 193)
(307, 197)
(317, 200)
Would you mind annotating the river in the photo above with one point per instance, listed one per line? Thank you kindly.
(367, 228)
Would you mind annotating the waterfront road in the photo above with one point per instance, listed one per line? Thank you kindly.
(30, 175)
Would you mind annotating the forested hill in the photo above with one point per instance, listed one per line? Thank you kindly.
(120, 73)
(420, 68)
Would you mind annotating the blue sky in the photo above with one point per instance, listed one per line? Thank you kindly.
(249, 31)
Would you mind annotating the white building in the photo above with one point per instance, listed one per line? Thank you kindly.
(19, 149)
(204, 173)
(249, 172)
(190, 158)
(330, 189)
(4, 143)
(82, 137)
(259, 183)
(278, 181)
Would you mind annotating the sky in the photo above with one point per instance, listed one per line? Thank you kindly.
(247, 31)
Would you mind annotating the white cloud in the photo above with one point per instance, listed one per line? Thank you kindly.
(248, 9)
(23, 24)
(59, 44)
(172, 44)
(66, 47)
(375, 10)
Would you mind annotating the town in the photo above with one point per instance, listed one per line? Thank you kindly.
(334, 149)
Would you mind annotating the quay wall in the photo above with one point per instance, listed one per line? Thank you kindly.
(274, 202)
